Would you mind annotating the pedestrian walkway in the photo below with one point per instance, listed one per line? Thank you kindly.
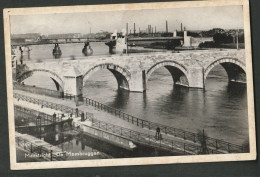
(98, 114)
(112, 133)
(214, 144)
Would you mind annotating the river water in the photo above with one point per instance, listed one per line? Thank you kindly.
(220, 109)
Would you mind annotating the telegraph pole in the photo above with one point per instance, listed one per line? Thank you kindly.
(134, 29)
(237, 39)
(166, 26)
(126, 38)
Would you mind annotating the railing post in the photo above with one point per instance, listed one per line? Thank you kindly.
(184, 148)
(184, 136)
(216, 144)
(228, 148)
(51, 155)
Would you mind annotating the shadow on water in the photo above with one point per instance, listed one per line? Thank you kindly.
(120, 99)
(237, 89)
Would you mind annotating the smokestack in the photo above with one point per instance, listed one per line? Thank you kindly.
(166, 26)
(126, 28)
(181, 27)
(134, 28)
(155, 29)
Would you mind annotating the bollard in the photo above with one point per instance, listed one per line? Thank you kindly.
(82, 117)
(51, 155)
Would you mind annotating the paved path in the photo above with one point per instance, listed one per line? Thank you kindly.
(100, 115)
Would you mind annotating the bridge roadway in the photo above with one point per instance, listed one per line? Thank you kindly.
(132, 71)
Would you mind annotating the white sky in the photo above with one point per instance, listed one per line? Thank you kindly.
(228, 17)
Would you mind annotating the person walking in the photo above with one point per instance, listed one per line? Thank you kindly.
(157, 136)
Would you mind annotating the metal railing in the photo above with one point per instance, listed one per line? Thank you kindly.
(185, 148)
(216, 144)
(135, 136)
(45, 119)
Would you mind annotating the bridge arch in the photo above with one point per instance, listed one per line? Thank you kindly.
(236, 69)
(121, 74)
(178, 71)
(55, 77)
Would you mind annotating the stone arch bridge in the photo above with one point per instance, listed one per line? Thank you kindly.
(189, 68)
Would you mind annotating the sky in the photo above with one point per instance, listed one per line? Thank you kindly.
(198, 18)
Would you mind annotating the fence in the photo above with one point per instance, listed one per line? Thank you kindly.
(213, 143)
(147, 139)
(42, 151)
(45, 119)
(185, 135)
(104, 128)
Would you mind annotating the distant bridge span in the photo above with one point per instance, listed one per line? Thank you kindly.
(132, 72)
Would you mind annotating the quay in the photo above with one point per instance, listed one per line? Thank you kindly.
(121, 136)
(108, 115)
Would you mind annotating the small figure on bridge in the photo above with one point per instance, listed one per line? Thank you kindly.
(158, 135)
(77, 112)
(54, 117)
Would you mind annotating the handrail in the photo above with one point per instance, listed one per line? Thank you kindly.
(217, 144)
(176, 132)
(143, 138)
(45, 118)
